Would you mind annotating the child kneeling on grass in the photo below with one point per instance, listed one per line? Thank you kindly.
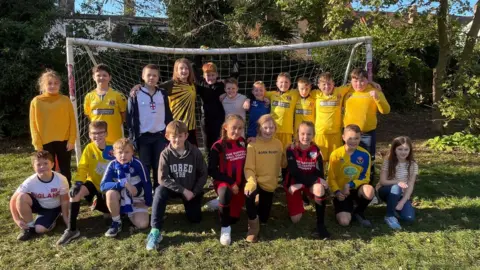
(397, 180)
(44, 193)
(127, 188)
(262, 167)
(305, 175)
(182, 174)
(349, 177)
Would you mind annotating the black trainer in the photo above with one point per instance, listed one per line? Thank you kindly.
(26, 234)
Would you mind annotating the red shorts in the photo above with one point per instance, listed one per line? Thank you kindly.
(237, 202)
(295, 201)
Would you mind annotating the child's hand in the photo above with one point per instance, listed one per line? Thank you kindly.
(346, 190)
(70, 146)
(134, 90)
(131, 188)
(222, 97)
(376, 85)
(339, 195)
(246, 104)
(324, 183)
(20, 223)
(247, 193)
(403, 185)
(266, 100)
(293, 188)
(235, 189)
(400, 205)
(251, 139)
(188, 194)
(373, 94)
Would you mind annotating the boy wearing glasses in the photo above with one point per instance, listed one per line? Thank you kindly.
(95, 158)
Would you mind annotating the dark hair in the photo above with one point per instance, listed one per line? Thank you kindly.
(358, 73)
(99, 124)
(392, 157)
(42, 154)
(100, 67)
(327, 76)
(352, 127)
(304, 80)
(151, 66)
(231, 81)
(191, 76)
(176, 127)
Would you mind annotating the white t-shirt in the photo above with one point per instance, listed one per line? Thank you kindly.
(151, 111)
(401, 171)
(234, 105)
(47, 193)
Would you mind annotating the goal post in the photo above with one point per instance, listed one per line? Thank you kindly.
(250, 63)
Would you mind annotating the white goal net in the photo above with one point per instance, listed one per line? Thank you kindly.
(250, 63)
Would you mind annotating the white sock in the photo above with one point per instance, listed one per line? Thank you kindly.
(31, 224)
(116, 219)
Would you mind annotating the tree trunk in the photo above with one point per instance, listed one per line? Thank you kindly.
(471, 40)
(440, 70)
(129, 8)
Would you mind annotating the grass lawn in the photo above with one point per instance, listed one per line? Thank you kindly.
(445, 235)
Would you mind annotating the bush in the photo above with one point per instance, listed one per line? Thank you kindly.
(458, 141)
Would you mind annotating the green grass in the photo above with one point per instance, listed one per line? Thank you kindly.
(445, 235)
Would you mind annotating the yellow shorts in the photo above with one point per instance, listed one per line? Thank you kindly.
(328, 143)
(285, 138)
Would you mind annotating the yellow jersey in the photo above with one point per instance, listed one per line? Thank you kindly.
(93, 163)
(182, 103)
(109, 108)
(304, 111)
(351, 169)
(282, 108)
(328, 110)
(361, 108)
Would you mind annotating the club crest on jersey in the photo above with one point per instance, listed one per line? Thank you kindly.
(289, 98)
(313, 155)
(111, 102)
(132, 170)
(242, 144)
(360, 160)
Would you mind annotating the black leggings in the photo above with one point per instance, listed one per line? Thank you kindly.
(264, 205)
(224, 198)
(58, 149)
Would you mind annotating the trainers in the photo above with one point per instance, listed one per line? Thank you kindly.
(153, 239)
(363, 221)
(225, 237)
(26, 234)
(67, 237)
(321, 233)
(392, 222)
(212, 205)
(115, 228)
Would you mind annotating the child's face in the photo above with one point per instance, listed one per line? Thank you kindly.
(402, 152)
(210, 77)
(283, 84)
(326, 86)
(42, 166)
(351, 139)
(231, 89)
(258, 92)
(177, 140)
(303, 89)
(183, 72)
(305, 134)
(359, 84)
(150, 77)
(234, 129)
(97, 136)
(267, 129)
(53, 85)
(124, 155)
(102, 78)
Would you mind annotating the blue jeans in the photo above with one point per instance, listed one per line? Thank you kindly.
(392, 195)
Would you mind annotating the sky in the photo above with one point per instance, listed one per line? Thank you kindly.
(115, 7)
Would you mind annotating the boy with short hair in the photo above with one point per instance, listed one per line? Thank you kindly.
(182, 173)
(91, 167)
(127, 188)
(361, 105)
(235, 103)
(305, 107)
(44, 193)
(148, 116)
(104, 103)
(349, 177)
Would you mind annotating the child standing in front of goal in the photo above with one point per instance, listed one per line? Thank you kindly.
(106, 104)
(305, 106)
(258, 107)
(148, 116)
(52, 122)
(235, 103)
(262, 165)
(226, 161)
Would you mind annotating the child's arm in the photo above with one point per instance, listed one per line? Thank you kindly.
(122, 106)
(246, 104)
(384, 181)
(36, 139)
(164, 175)
(86, 105)
(168, 86)
(332, 178)
(411, 183)
(382, 103)
(201, 173)
(214, 164)
(72, 128)
(64, 199)
(146, 183)
(250, 169)
(13, 210)
(107, 180)
(130, 117)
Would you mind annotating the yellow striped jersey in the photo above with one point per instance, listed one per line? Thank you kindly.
(282, 109)
(304, 111)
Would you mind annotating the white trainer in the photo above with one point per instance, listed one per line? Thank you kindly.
(225, 236)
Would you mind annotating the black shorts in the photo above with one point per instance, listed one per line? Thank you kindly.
(347, 204)
(45, 217)
(95, 198)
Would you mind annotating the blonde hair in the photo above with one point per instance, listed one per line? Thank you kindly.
(46, 75)
(176, 76)
(352, 127)
(176, 127)
(308, 124)
(122, 144)
(229, 118)
(325, 76)
(259, 83)
(358, 73)
(264, 119)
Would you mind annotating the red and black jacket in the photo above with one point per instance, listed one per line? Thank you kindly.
(226, 161)
(304, 166)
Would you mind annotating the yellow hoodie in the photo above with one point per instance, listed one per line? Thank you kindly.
(262, 165)
(52, 119)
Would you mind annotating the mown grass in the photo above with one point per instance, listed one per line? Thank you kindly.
(445, 235)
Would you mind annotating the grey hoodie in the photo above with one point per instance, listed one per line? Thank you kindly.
(178, 172)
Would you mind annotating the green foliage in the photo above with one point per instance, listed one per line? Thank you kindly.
(458, 141)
